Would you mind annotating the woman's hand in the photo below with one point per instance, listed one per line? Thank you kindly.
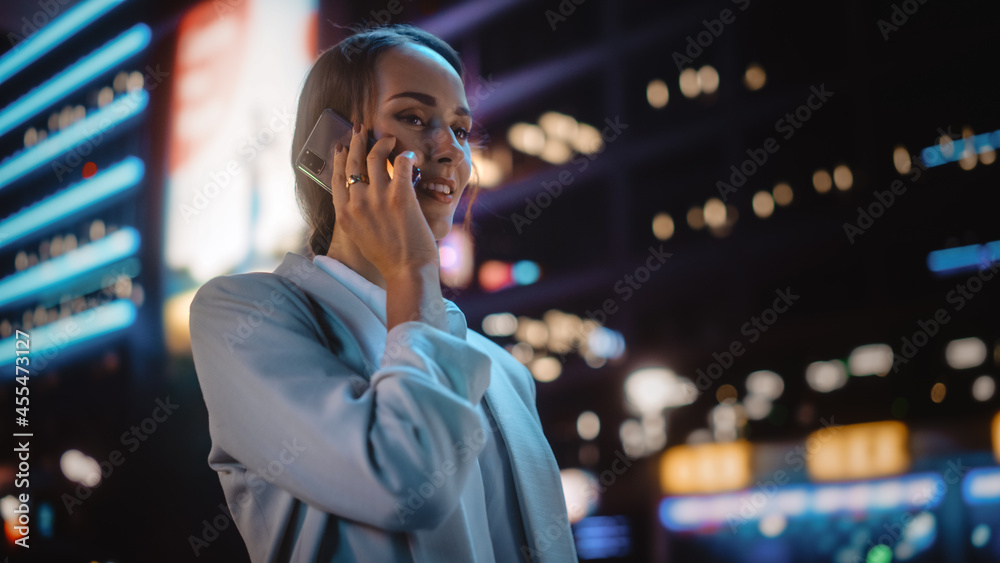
(383, 217)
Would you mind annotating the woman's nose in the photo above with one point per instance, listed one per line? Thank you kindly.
(445, 147)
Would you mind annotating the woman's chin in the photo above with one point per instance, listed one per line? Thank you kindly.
(439, 228)
(440, 225)
(440, 231)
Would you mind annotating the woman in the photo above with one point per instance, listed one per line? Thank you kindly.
(353, 414)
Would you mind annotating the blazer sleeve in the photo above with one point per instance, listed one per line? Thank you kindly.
(270, 378)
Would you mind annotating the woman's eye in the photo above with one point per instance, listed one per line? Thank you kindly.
(461, 132)
(407, 119)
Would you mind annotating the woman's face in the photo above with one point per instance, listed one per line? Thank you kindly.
(421, 101)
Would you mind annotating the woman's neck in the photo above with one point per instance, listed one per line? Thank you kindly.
(345, 251)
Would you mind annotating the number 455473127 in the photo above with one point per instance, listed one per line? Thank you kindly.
(22, 350)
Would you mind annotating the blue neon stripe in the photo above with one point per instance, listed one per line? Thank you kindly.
(963, 257)
(94, 124)
(74, 199)
(686, 513)
(601, 537)
(75, 76)
(934, 156)
(63, 270)
(982, 486)
(994, 249)
(72, 331)
(52, 35)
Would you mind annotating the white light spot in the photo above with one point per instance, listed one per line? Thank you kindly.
(826, 376)
(965, 353)
(983, 388)
(588, 425)
(772, 526)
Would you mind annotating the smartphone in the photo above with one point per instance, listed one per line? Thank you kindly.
(330, 129)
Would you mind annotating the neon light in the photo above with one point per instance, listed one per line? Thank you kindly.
(93, 125)
(71, 331)
(63, 270)
(525, 272)
(495, 275)
(602, 537)
(982, 486)
(964, 257)
(74, 199)
(75, 76)
(924, 491)
(52, 35)
(984, 142)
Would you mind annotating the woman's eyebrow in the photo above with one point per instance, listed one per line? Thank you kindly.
(427, 100)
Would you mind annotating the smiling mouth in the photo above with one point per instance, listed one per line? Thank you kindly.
(439, 192)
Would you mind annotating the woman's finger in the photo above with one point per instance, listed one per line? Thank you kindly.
(378, 174)
(403, 170)
(356, 163)
(338, 160)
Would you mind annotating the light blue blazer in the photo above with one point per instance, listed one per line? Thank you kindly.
(335, 440)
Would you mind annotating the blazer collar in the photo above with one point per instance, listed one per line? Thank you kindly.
(366, 325)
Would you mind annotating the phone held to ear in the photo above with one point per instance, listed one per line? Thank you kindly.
(330, 129)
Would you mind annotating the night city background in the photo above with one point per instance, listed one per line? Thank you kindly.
(747, 249)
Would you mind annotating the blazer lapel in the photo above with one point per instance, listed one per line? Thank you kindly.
(536, 475)
(358, 323)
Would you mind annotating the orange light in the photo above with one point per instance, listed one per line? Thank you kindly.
(705, 468)
(858, 451)
(11, 534)
(996, 437)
